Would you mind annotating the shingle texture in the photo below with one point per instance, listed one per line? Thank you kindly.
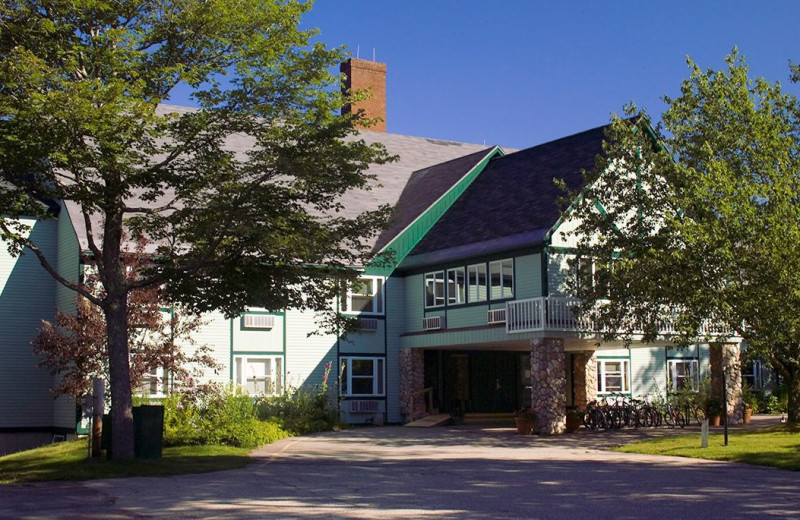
(414, 153)
(515, 195)
(424, 188)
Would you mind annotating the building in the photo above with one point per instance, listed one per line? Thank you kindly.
(473, 317)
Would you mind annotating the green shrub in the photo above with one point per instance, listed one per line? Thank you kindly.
(216, 415)
(301, 412)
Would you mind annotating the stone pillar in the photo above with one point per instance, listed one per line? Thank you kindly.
(727, 356)
(584, 378)
(549, 385)
(412, 379)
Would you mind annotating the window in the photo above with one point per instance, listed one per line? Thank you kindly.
(362, 376)
(501, 274)
(476, 280)
(591, 275)
(612, 376)
(152, 384)
(434, 289)
(258, 375)
(681, 374)
(455, 286)
(751, 374)
(365, 297)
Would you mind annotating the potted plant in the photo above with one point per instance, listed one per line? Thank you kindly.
(525, 420)
(713, 410)
(749, 401)
(575, 417)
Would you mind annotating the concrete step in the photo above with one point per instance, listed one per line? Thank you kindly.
(474, 418)
(430, 421)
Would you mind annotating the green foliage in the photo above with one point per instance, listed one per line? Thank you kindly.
(702, 220)
(216, 416)
(300, 412)
(81, 121)
(774, 402)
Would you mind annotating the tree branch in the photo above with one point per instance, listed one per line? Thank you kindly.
(78, 288)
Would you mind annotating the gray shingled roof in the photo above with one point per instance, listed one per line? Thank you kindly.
(414, 153)
(424, 188)
(512, 203)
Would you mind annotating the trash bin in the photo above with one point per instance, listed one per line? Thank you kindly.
(148, 432)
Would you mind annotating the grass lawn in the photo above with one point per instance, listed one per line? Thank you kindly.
(778, 446)
(67, 461)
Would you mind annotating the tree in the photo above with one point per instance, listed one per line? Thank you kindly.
(240, 197)
(701, 218)
(75, 347)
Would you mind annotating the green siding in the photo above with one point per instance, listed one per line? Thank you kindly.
(648, 371)
(528, 276)
(253, 340)
(395, 325)
(365, 342)
(470, 316)
(557, 273)
(27, 295)
(306, 354)
(414, 302)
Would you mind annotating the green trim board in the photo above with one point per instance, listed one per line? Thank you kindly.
(405, 241)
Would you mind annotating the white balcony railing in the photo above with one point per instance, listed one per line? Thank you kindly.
(554, 313)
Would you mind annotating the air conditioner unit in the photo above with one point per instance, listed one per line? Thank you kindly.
(362, 406)
(433, 323)
(368, 324)
(496, 316)
(258, 321)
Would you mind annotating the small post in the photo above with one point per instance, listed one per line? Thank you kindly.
(724, 403)
(704, 434)
(98, 391)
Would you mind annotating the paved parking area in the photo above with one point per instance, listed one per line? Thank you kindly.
(474, 472)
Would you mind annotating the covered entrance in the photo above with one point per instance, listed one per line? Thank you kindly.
(470, 381)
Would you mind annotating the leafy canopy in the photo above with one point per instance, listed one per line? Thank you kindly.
(701, 215)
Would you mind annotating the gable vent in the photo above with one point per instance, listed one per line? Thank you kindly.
(496, 316)
(258, 321)
(433, 323)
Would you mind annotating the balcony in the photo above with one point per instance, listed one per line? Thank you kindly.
(554, 313)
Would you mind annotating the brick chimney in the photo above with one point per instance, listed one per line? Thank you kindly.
(370, 76)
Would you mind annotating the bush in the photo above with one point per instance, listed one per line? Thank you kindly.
(774, 402)
(300, 412)
(214, 415)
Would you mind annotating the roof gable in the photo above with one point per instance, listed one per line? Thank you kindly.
(515, 197)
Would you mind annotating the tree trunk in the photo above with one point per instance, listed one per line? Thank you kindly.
(119, 370)
(793, 391)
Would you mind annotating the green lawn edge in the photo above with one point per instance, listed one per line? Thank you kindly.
(777, 447)
(67, 461)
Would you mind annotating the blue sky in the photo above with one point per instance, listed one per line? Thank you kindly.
(519, 73)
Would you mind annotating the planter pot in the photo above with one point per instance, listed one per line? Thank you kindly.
(524, 426)
(714, 420)
(574, 423)
(747, 414)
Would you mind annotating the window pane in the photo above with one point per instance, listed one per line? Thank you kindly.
(502, 279)
(361, 367)
(455, 286)
(477, 282)
(362, 386)
(434, 289)
(362, 298)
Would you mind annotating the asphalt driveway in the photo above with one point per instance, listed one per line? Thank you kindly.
(459, 472)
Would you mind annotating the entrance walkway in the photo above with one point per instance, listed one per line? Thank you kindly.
(470, 471)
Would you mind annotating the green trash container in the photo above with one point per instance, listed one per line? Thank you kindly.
(148, 432)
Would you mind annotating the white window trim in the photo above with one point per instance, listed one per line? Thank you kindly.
(601, 375)
(433, 276)
(490, 272)
(694, 367)
(460, 297)
(378, 376)
(378, 303)
(277, 375)
(473, 268)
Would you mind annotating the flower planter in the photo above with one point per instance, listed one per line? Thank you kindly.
(747, 414)
(714, 420)
(524, 425)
